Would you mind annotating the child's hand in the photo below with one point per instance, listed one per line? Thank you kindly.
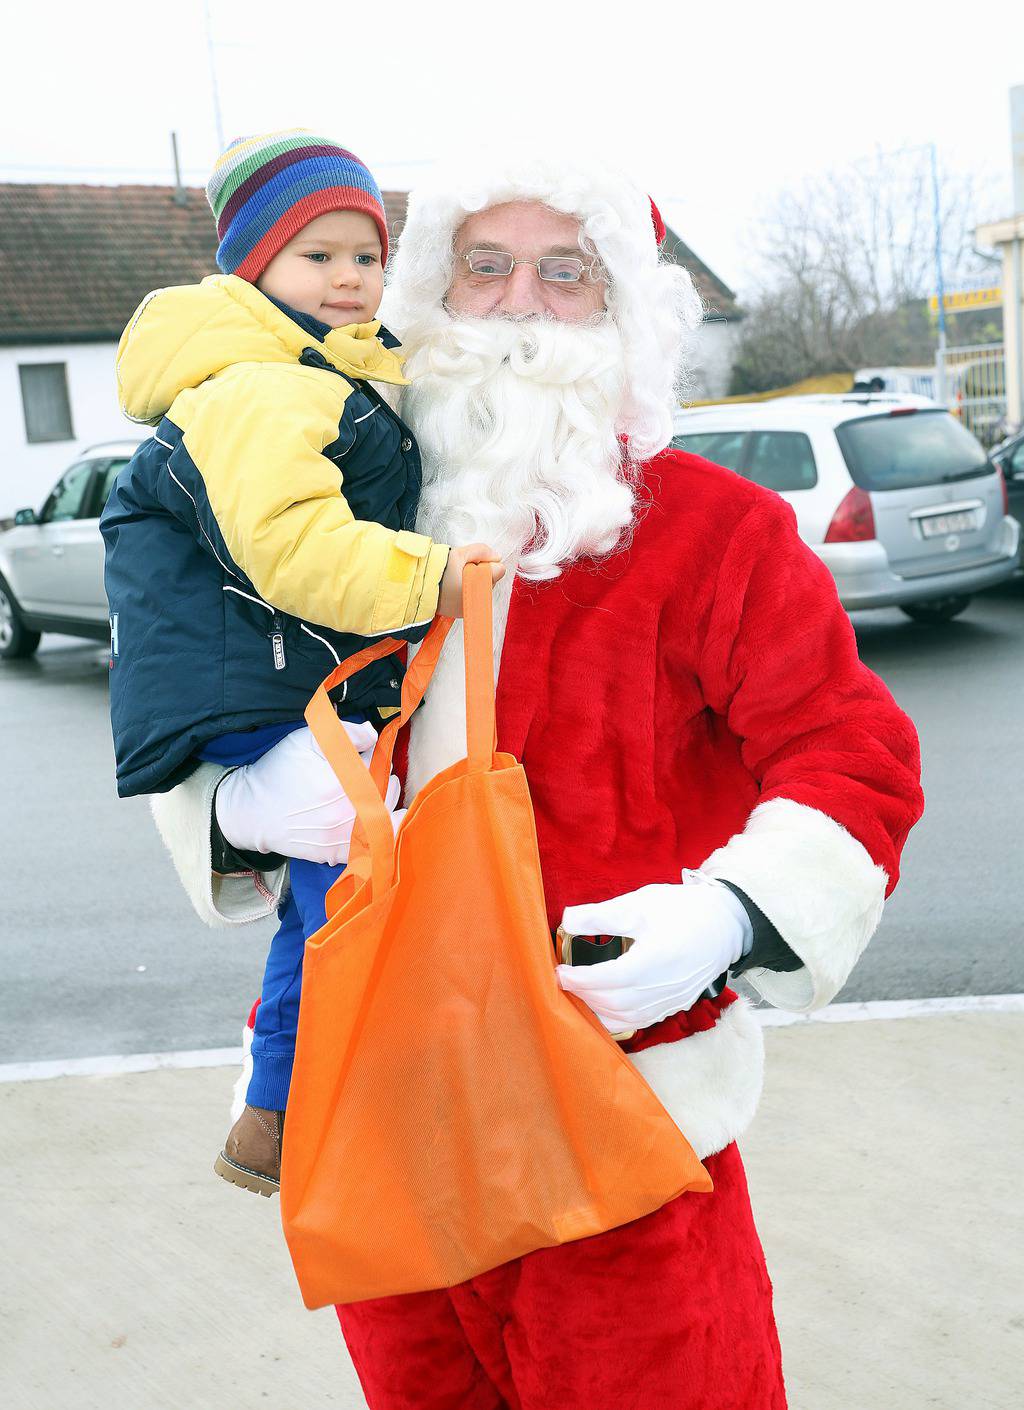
(449, 601)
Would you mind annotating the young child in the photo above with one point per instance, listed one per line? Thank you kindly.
(264, 532)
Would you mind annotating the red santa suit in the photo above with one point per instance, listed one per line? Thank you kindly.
(695, 701)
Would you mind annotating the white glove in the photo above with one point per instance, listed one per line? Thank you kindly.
(291, 802)
(685, 936)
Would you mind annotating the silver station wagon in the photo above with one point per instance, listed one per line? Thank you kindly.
(51, 561)
(899, 500)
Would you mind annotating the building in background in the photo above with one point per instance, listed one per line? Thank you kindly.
(1007, 236)
(715, 351)
(75, 262)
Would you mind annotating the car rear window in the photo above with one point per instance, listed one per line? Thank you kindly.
(721, 447)
(913, 448)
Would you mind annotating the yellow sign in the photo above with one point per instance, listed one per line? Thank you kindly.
(963, 299)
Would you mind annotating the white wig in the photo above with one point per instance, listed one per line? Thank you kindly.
(654, 303)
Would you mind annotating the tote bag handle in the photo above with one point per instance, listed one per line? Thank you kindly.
(371, 854)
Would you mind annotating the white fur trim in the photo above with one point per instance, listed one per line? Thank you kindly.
(241, 1086)
(817, 885)
(709, 1083)
(182, 817)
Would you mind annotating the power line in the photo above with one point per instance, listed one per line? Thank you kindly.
(104, 170)
(198, 171)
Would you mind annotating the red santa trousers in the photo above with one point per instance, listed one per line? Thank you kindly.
(671, 1312)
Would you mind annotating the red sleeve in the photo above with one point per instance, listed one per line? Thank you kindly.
(779, 661)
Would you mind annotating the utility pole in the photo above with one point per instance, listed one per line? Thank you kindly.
(180, 197)
(215, 93)
(939, 285)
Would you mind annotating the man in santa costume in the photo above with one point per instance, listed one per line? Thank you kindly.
(713, 770)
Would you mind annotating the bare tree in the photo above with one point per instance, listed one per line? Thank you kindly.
(848, 263)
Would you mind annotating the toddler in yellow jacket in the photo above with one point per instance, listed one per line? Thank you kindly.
(265, 531)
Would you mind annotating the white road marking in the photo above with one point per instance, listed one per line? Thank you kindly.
(894, 1008)
(115, 1066)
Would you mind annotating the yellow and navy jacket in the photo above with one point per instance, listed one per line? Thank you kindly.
(263, 533)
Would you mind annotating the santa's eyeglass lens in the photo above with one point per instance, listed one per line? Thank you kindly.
(499, 264)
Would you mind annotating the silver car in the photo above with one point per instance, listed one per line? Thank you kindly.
(51, 562)
(892, 493)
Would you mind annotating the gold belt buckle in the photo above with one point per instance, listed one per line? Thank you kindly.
(564, 947)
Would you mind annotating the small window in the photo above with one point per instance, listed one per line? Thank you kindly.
(781, 460)
(720, 447)
(44, 399)
(68, 495)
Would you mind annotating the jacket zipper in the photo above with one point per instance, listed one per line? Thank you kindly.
(276, 635)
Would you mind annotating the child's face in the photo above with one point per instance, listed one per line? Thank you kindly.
(331, 269)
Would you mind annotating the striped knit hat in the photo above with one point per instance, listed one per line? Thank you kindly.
(265, 189)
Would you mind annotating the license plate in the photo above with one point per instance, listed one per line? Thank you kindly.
(938, 524)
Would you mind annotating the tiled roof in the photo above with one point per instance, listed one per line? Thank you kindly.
(718, 297)
(75, 261)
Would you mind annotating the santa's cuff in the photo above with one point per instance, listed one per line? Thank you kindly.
(819, 888)
(182, 818)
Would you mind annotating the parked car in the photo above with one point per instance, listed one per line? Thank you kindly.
(1009, 456)
(893, 494)
(919, 380)
(51, 562)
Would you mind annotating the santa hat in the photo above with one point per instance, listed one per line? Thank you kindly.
(653, 302)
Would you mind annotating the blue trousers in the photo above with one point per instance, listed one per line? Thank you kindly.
(299, 916)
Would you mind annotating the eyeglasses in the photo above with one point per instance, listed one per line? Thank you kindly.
(553, 269)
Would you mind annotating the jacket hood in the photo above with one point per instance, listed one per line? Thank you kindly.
(179, 338)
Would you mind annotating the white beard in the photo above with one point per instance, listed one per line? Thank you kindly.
(516, 422)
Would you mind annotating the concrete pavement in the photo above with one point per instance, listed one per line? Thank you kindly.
(884, 1168)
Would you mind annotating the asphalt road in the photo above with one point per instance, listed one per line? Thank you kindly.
(102, 953)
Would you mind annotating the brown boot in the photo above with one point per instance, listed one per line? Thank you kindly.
(251, 1157)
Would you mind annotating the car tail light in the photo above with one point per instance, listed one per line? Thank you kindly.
(853, 521)
(1003, 490)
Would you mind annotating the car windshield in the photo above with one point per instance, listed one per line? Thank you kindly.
(901, 451)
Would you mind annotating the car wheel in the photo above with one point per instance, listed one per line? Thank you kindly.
(940, 609)
(16, 641)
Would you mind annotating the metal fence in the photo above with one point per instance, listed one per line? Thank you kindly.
(972, 383)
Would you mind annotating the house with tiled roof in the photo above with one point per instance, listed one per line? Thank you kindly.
(75, 261)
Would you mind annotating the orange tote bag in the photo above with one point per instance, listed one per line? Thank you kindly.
(451, 1107)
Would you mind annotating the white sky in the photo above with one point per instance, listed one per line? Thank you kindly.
(713, 112)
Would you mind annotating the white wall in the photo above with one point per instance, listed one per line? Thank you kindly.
(714, 350)
(29, 472)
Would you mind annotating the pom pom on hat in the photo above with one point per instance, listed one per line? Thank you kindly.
(265, 189)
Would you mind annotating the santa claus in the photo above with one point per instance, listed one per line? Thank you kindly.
(713, 770)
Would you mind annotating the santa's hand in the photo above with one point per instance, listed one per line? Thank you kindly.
(291, 802)
(685, 936)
